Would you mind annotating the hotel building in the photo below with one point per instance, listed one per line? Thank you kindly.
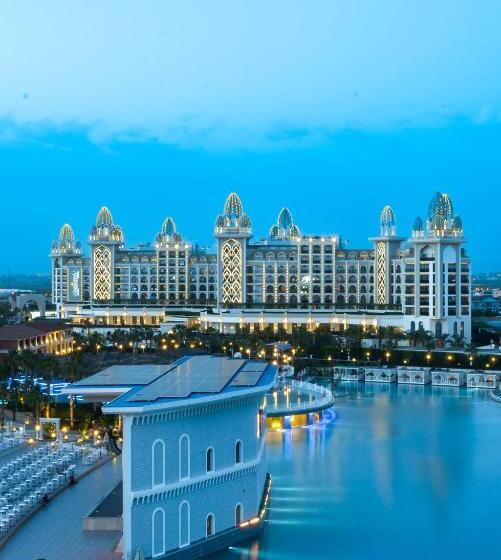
(286, 280)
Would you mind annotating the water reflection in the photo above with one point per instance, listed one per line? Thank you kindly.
(403, 471)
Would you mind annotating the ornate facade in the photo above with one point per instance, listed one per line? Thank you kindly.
(285, 278)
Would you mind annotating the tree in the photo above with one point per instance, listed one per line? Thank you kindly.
(72, 370)
(12, 363)
(471, 350)
(49, 366)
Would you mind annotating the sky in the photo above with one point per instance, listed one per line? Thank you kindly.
(330, 108)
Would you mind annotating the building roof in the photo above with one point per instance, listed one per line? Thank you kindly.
(129, 375)
(178, 384)
(29, 330)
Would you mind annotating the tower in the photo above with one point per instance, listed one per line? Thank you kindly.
(104, 239)
(172, 259)
(285, 228)
(386, 247)
(66, 264)
(232, 231)
(442, 271)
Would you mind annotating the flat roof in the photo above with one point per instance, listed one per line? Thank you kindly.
(189, 378)
(126, 375)
(199, 374)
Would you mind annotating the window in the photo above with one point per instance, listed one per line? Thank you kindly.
(238, 514)
(184, 457)
(209, 460)
(158, 533)
(158, 463)
(238, 452)
(210, 528)
(184, 524)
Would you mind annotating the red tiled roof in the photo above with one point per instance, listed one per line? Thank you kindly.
(28, 330)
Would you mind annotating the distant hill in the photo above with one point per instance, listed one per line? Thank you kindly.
(36, 282)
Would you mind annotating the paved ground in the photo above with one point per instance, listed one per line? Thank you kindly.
(55, 532)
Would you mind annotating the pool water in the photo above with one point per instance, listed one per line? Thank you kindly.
(402, 472)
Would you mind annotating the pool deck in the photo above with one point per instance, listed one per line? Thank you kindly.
(55, 532)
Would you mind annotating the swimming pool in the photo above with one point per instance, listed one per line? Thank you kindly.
(403, 472)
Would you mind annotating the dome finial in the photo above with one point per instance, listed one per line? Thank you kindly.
(104, 217)
(66, 234)
(388, 222)
(440, 213)
(233, 206)
(285, 227)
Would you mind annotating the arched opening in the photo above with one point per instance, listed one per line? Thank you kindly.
(158, 463)
(184, 457)
(238, 452)
(210, 526)
(158, 533)
(209, 460)
(239, 511)
(184, 524)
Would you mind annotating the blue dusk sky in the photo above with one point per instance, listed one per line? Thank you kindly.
(331, 108)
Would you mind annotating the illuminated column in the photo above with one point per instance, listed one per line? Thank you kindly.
(232, 231)
(105, 239)
(386, 247)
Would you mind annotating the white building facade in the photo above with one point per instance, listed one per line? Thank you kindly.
(285, 280)
(194, 452)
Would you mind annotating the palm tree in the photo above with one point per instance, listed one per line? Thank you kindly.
(458, 340)
(49, 365)
(12, 363)
(441, 340)
(72, 370)
(471, 350)
(33, 397)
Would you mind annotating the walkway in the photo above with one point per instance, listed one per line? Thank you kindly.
(55, 532)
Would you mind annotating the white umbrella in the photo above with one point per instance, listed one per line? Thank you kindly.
(139, 554)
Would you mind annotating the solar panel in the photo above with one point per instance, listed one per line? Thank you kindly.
(247, 379)
(199, 374)
(126, 375)
(255, 366)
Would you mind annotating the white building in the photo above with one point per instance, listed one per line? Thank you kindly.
(194, 452)
(285, 280)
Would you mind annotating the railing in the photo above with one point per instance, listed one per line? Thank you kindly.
(322, 398)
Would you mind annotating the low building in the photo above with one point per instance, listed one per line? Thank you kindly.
(194, 452)
(414, 376)
(45, 337)
(486, 304)
(350, 373)
(482, 379)
(381, 375)
(448, 377)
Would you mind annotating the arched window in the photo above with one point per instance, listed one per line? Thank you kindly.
(158, 463)
(209, 460)
(184, 524)
(238, 452)
(158, 533)
(239, 511)
(184, 457)
(210, 526)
